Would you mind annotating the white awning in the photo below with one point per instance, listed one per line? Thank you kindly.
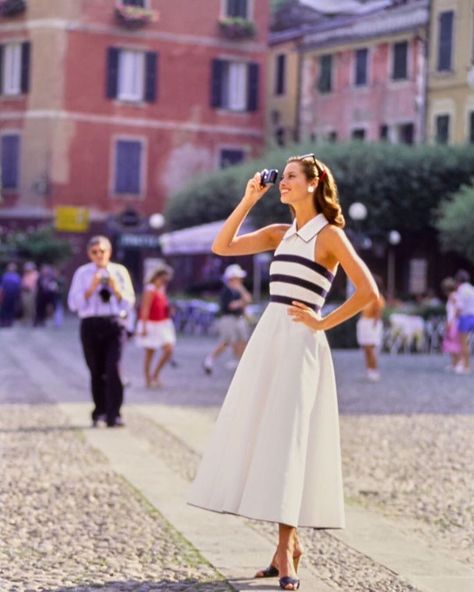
(194, 240)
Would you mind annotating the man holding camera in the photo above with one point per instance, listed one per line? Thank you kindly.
(102, 295)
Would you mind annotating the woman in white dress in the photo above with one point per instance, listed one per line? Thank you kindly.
(275, 451)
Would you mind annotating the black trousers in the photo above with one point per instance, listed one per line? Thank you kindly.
(102, 342)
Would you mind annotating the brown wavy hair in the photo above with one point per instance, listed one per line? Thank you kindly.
(326, 196)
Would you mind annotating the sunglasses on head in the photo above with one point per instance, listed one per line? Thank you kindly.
(321, 173)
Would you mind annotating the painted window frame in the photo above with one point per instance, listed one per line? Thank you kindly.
(231, 148)
(367, 70)
(277, 91)
(6, 133)
(142, 179)
(392, 61)
(127, 96)
(436, 118)
(122, 3)
(330, 88)
(11, 88)
(438, 42)
(250, 10)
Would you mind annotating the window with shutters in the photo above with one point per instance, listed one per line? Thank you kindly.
(14, 68)
(442, 129)
(132, 75)
(139, 3)
(383, 132)
(280, 74)
(231, 157)
(237, 9)
(9, 158)
(400, 61)
(128, 167)
(358, 134)
(445, 41)
(325, 74)
(406, 133)
(234, 85)
(361, 67)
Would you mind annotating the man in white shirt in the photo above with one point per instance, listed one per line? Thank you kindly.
(465, 303)
(102, 295)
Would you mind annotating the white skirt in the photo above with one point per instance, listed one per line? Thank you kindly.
(159, 333)
(369, 331)
(275, 453)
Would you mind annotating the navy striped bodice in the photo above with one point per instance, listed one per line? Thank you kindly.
(294, 275)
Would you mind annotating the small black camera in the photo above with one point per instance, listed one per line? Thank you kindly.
(268, 176)
(104, 291)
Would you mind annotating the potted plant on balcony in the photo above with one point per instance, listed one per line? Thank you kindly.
(237, 28)
(135, 16)
(12, 7)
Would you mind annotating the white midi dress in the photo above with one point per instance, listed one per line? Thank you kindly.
(275, 451)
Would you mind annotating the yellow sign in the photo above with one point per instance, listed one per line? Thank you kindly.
(71, 219)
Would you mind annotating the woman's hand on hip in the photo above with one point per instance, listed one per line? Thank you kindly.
(300, 313)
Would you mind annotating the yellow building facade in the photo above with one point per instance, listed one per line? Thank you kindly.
(283, 88)
(450, 116)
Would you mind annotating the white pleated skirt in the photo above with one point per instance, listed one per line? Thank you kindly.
(275, 451)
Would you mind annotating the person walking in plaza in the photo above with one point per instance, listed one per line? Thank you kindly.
(370, 332)
(275, 451)
(29, 282)
(102, 295)
(232, 325)
(451, 338)
(155, 329)
(465, 302)
(10, 295)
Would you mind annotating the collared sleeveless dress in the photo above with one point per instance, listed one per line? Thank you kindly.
(275, 451)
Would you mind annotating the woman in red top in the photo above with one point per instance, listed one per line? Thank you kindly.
(155, 328)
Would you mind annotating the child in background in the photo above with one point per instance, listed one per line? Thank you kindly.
(370, 332)
(451, 340)
(155, 328)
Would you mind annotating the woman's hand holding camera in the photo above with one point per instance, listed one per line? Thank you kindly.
(254, 190)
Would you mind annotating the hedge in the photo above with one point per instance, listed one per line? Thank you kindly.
(402, 186)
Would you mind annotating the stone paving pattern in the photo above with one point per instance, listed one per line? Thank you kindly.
(407, 453)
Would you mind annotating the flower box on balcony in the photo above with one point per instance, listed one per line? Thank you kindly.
(135, 16)
(237, 28)
(12, 7)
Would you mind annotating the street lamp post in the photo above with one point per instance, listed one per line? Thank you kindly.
(357, 213)
(394, 238)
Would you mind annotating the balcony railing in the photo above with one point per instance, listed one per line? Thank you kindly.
(237, 28)
(133, 17)
(12, 7)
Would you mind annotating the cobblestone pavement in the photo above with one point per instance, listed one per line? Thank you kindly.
(70, 523)
(406, 445)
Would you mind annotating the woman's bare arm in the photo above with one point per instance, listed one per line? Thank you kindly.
(340, 250)
(265, 239)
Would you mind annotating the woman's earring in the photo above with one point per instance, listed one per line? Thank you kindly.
(311, 189)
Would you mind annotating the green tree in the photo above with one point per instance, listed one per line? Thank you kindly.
(402, 186)
(41, 246)
(456, 223)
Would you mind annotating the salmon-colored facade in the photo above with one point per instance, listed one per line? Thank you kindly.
(120, 112)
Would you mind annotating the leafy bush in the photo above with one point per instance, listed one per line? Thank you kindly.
(456, 223)
(402, 186)
(41, 246)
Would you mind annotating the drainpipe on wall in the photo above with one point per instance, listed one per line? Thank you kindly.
(425, 39)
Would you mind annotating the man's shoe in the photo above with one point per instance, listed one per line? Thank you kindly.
(97, 419)
(117, 423)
